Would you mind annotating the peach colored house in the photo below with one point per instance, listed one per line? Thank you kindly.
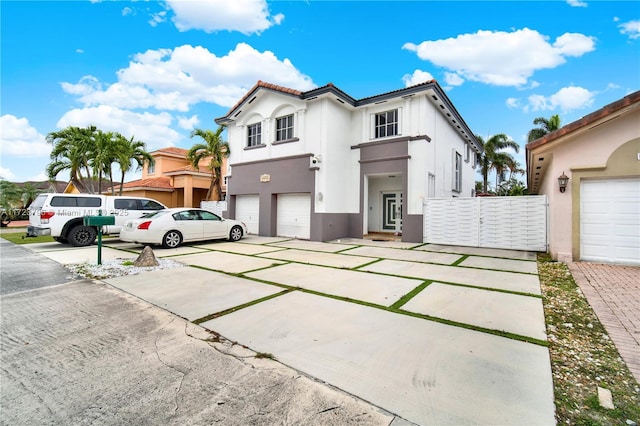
(597, 217)
(172, 180)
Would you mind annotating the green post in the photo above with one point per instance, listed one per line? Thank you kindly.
(99, 241)
(99, 221)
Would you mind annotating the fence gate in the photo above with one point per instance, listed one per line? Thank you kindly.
(517, 223)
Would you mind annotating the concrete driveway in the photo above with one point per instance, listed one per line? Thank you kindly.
(433, 334)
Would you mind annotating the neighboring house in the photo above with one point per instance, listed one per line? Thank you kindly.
(172, 180)
(597, 218)
(322, 165)
(91, 185)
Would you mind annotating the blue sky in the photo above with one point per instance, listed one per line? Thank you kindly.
(154, 70)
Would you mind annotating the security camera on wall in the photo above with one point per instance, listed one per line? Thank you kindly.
(316, 159)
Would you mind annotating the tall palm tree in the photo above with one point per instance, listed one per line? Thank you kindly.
(213, 149)
(102, 154)
(131, 151)
(493, 158)
(546, 126)
(70, 147)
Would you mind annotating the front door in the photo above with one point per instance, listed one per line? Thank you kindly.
(392, 211)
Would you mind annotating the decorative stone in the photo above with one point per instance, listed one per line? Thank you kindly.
(146, 258)
(605, 398)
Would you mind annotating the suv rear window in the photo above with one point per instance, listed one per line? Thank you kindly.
(76, 202)
(151, 205)
(38, 202)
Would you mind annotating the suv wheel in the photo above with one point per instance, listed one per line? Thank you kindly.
(81, 236)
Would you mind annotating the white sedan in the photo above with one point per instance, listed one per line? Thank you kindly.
(172, 227)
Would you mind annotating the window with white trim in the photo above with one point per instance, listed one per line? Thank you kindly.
(386, 124)
(284, 128)
(467, 153)
(457, 175)
(254, 134)
(151, 168)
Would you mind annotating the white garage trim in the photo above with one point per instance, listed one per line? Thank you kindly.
(294, 216)
(610, 220)
(248, 211)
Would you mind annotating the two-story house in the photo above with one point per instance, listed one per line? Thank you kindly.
(321, 165)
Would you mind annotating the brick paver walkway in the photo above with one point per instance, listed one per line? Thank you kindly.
(613, 291)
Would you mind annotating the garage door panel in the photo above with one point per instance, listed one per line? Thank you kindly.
(248, 211)
(610, 221)
(294, 216)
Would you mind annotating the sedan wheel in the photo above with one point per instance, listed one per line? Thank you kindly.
(172, 239)
(235, 234)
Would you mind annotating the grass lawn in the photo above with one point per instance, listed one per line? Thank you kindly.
(583, 357)
(18, 238)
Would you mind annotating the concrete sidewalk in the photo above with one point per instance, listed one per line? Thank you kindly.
(434, 335)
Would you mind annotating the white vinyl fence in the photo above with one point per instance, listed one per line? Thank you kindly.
(517, 223)
(216, 207)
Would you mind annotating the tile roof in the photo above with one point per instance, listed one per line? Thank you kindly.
(172, 150)
(151, 183)
(587, 120)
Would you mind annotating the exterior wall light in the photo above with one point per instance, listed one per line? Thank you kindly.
(563, 180)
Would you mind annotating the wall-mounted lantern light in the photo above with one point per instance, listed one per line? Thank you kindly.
(563, 180)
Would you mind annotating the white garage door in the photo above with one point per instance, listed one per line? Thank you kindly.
(294, 216)
(610, 221)
(248, 211)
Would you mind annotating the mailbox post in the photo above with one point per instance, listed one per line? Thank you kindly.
(99, 221)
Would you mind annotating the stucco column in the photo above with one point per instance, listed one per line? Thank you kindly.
(188, 192)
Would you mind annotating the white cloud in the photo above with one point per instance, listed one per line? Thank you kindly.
(631, 28)
(577, 3)
(176, 79)
(153, 129)
(566, 99)
(501, 58)
(18, 138)
(127, 11)
(158, 18)
(417, 77)
(6, 174)
(453, 79)
(513, 103)
(188, 123)
(245, 16)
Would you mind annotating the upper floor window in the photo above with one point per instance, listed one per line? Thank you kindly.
(457, 177)
(386, 124)
(151, 168)
(254, 137)
(284, 128)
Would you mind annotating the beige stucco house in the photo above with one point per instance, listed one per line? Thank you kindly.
(172, 180)
(597, 217)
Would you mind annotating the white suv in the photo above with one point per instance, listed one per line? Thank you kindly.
(61, 215)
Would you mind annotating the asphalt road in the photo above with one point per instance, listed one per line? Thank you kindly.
(21, 269)
(87, 353)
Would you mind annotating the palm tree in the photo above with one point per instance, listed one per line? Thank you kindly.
(102, 154)
(29, 192)
(546, 126)
(70, 147)
(215, 150)
(493, 158)
(128, 151)
(9, 199)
